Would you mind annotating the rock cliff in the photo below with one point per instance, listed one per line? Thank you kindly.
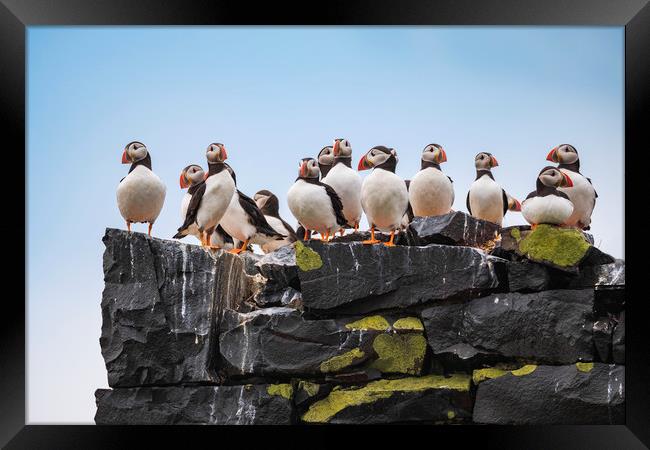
(461, 322)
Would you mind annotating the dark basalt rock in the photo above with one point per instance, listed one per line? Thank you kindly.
(196, 405)
(455, 228)
(618, 340)
(428, 399)
(158, 308)
(356, 278)
(603, 329)
(285, 297)
(550, 326)
(279, 267)
(577, 394)
(279, 342)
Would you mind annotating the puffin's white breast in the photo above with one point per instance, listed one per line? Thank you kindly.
(347, 184)
(273, 244)
(384, 199)
(486, 199)
(310, 204)
(550, 209)
(582, 195)
(236, 222)
(431, 193)
(140, 195)
(219, 190)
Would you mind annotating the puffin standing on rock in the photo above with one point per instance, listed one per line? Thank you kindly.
(211, 199)
(582, 194)
(384, 196)
(268, 203)
(486, 199)
(547, 204)
(141, 194)
(315, 204)
(346, 182)
(431, 192)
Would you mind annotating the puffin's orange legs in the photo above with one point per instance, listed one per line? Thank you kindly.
(237, 251)
(128, 226)
(305, 237)
(356, 227)
(149, 232)
(326, 237)
(342, 231)
(372, 239)
(533, 226)
(392, 238)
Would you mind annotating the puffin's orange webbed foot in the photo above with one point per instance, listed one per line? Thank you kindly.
(372, 239)
(392, 238)
(150, 227)
(237, 251)
(128, 226)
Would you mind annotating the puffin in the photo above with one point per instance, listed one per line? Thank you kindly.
(384, 196)
(140, 194)
(211, 199)
(314, 204)
(325, 160)
(486, 199)
(431, 192)
(244, 221)
(408, 216)
(191, 178)
(582, 194)
(346, 182)
(268, 203)
(547, 204)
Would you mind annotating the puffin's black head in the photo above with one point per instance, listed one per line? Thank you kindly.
(267, 202)
(192, 174)
(308, 168)
(553, 177)
(216, 153)
(379, 156)
(434, 153)
(133, 152)
(485, 161)
(342, 148)
(563, 154)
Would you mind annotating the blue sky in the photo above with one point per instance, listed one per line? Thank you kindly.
(273, 96)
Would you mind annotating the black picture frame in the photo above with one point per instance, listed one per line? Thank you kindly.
(16, 15)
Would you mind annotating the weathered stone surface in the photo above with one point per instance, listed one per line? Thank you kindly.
(265, 404)
(279, 266)
(285, 297)
(280, 342)
(357, 278)
(583, 393)
(602, 330)
(618, 340)
(550, 326)
(159, 305)
(428, 399)
(455, 228)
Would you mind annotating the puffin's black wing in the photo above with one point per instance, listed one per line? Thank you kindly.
(337, 204)
(255, 216)
(589, 180)
(450, 178)
(225, 236)
(531, 195)
(505, 201)
(193, 207)
(292, 234)
(469, 210)
(409, 208)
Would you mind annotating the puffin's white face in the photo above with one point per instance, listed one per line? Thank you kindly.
(216, 153)
(434, 153)
(261, 198)
(308, 168)
(191, 175)
(326, 156)
(485, 161)
(552, 177)
(342, 148)
(375, 157)
(134, 152)
(563, 154)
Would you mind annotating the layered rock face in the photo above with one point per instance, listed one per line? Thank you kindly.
(456, 324)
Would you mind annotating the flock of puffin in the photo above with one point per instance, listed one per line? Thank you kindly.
(330, 196)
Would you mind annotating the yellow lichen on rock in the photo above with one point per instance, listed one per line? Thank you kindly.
(306, 258)
(341, 361)
(563, 247)
(584, 366)
(487, 374)
(408, 323)
(526, 370)
(339, 399)
(283, 390)
(377, 323)
(399, 353)
(310, 388)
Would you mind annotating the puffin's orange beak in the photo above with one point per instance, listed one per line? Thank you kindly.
(303, 169)
(494, 161)
(442, 156)
(125, 159)
(183, 181)
(335, 150)
(516, 206)
(224, 153)
(567, 180)
(205, 176)
(364, 164)
(552, 155)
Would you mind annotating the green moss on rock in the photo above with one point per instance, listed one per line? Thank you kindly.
(377, 323)
(339, 399)
(306, 258)
(340, 362)
(515, 233)
(564, 247)
(399, 353)
(584, 366)
(408, 323)
(283, 390)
